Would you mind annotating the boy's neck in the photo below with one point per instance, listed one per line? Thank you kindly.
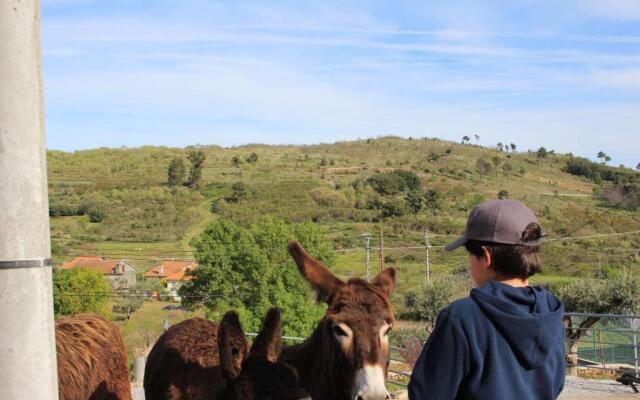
(515, 282)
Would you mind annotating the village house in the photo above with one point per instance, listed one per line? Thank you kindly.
(119, 273)
(174, 273)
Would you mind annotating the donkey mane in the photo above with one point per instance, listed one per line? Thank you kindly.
(92, 360)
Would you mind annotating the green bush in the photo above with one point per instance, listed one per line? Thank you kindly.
(619, 294)
(249, 270)
(389, 183)
(393, 208)
(95, 214)
(426, 303)
(598, 172)
(80, 290)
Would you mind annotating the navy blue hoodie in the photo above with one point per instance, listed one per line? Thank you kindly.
(502, 342)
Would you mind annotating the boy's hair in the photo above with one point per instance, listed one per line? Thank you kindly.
(512, 261)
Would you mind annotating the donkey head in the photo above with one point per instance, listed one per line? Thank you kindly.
(356, 326)
(258, 375)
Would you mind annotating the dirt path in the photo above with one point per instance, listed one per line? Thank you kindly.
(592, 389)
(575, 389)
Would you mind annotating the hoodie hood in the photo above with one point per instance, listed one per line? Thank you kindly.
(529, 318)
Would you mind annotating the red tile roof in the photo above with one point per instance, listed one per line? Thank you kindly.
(171, 270)
(100, 264)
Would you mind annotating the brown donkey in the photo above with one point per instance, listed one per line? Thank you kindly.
(196, 359)
(347, 356)
(92, 360)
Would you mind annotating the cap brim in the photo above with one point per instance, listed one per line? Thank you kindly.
(457, 243)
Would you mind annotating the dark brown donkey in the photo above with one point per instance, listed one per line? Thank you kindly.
(197, 359)
(347, 355)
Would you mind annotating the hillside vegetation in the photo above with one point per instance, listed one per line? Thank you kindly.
(117, 203)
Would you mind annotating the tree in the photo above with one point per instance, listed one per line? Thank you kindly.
(496, 162)
(414, 201)
(619, 294)
(80, 290)
(607, 159)
(252, 159)
(393, 208)
(250, 270)
(638, 167)
(542, 153)
(175, 172)
(238, 193)
(196, 158)
(513, 147)
(507, 169)
(465, 139)
(601, 155)
(500, 146)
(426, 304)
(483, 166)
(433, 200)
(477, 138)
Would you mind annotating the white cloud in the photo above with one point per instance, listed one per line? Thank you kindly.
(615, 9)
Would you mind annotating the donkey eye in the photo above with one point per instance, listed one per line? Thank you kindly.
(339, 331)
(386, 333)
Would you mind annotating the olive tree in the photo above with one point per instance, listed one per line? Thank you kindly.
(619, 294)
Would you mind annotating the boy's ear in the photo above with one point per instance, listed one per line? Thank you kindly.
(486, 257)
(232, 346)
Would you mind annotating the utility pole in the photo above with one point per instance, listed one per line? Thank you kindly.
(367, 240)
(381, 255)
(427, 274)
(28, 367)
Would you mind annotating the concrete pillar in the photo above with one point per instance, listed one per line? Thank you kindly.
(138, 369)
(27, 340)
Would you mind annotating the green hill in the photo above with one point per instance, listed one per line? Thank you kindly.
(116, 202)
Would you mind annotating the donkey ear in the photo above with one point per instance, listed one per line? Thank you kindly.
(386, 280)
(268, 344)
(232, 346)
(323, 281)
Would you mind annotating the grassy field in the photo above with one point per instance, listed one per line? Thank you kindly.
(136, 216)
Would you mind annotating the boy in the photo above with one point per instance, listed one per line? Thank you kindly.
(504, 341)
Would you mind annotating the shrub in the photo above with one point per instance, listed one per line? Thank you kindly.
(426, 303)
(623, 196)
(252, 159)
(393, 208)
(394, 182)
(414, 201)
(475, 201)
(326, 197)
(96, 214)
(175, 172)
(598, 172)
(250, 270)
(433, 200)
(238, 193)
(80, 290)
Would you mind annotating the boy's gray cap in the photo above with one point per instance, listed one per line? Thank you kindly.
(498, 221)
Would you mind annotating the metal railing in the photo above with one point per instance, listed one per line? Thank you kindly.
(393, 372)
(609, 344)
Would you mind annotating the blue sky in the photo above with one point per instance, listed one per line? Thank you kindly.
(562, 74)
